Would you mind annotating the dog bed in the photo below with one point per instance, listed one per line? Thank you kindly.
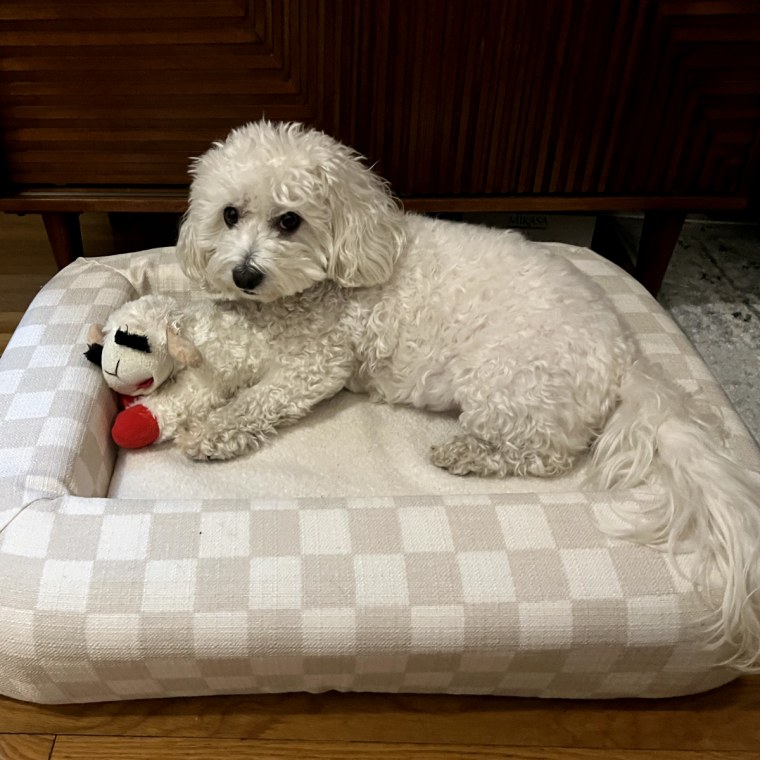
(337, 557)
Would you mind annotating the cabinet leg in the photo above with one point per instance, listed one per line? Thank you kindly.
(64, 236)
(607, 241)
(659, 236)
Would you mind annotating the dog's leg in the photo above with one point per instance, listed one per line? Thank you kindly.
(470, 455)
(519, 423)
(252, 415)
(189, 396)
(467, 454)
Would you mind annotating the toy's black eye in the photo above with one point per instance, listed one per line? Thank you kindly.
(132, 340)
(289, 222)
(231, 216)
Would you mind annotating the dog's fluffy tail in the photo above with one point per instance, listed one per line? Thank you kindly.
(711, 505)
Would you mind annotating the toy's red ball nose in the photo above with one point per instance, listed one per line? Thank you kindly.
(135, 427)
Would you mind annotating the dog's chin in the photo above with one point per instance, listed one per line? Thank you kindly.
(268, 291)
(256, 296)
(283, 275)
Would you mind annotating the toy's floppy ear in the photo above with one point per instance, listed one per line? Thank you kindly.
(181, 349)
(94, 352)
(95, 334)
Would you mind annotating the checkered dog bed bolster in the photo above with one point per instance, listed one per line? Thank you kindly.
(106, 598)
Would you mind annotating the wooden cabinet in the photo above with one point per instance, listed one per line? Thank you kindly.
(480, 104)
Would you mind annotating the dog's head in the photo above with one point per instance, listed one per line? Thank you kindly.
(276, 208)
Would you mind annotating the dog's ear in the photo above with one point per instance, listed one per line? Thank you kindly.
(367, 225)
(192, 258)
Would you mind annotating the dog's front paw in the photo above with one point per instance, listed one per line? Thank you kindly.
(204, 441)
(468, 455)
(452, 456)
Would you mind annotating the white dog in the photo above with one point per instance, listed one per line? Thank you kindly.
(448, 316)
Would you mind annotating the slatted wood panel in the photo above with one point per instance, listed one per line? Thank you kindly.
(123, 93)
(630, 98)
(544, 98)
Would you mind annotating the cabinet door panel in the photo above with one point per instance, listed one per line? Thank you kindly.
(575, 98)
(578, 98)
(124, 93)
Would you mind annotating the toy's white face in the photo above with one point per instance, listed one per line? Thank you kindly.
(131, 365)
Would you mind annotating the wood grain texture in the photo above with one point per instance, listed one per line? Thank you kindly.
(176, 202)
(727, 719)
(101, 748)
(25, 747)
(638, 99)
(64, 235)
(26, 264)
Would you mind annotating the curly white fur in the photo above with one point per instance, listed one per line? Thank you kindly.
(449, 316)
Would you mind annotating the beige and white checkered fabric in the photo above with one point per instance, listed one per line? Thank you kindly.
(105, 599)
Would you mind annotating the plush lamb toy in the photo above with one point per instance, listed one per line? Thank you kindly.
(171, 363)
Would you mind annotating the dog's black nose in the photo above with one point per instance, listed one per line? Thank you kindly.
(245, 278)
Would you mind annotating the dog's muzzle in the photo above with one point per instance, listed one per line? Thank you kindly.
(246, 278)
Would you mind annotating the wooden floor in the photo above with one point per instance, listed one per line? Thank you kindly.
(722, 725)
(26, 262)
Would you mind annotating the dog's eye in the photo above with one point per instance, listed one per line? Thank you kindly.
(289, 222)
(231, 216)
